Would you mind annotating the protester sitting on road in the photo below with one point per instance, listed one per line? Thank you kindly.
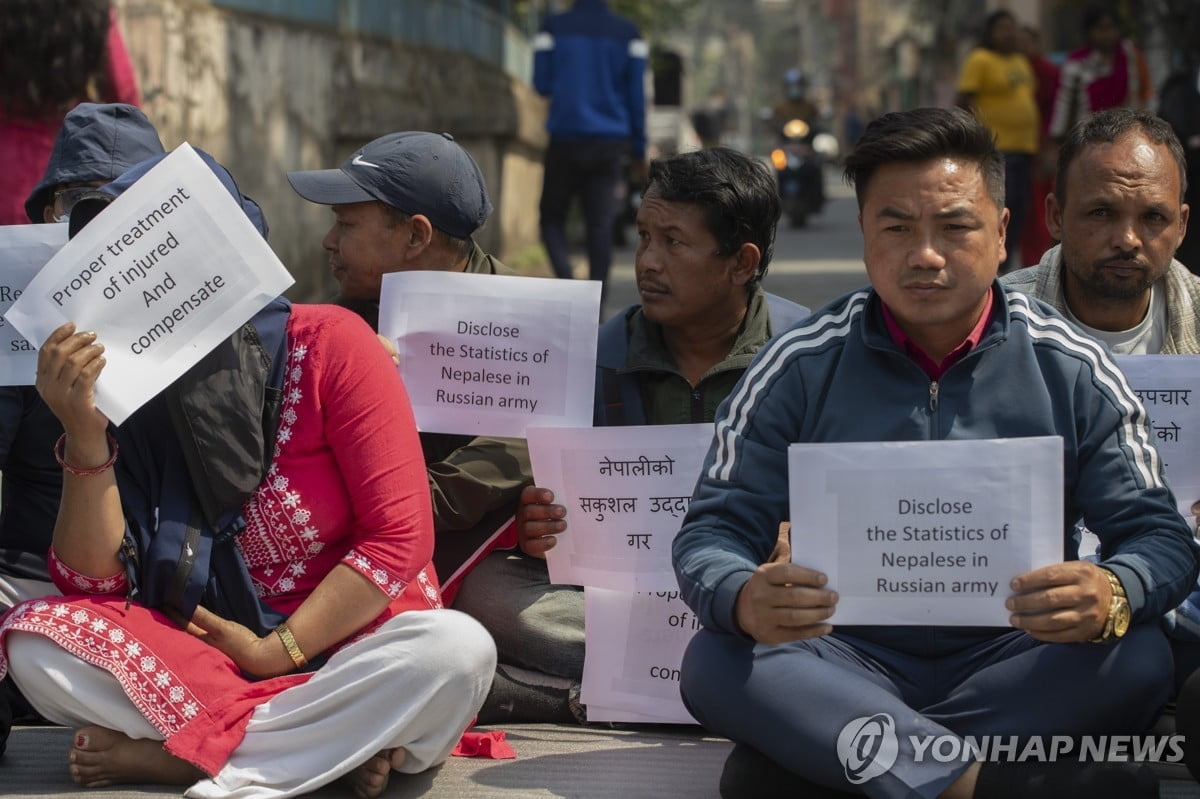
(405, 202)
(935, 349)
(706, 231)
(318, 540)
(95, 145)
(1118, 210)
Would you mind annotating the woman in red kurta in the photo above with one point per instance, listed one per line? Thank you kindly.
(339, 538)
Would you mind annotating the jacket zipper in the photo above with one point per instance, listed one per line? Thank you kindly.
(697, 406)
(933, 396)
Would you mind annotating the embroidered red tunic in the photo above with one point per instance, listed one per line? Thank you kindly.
(347, 485)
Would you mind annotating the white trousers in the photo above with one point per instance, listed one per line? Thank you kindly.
(18, 589)
(415, 683)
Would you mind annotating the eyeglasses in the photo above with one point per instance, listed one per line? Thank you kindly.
(66, 198)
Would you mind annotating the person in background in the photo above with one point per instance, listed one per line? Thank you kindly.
(53, 54)
(590, 64)
(997, 83)
(1109, 71)
(1035, 238)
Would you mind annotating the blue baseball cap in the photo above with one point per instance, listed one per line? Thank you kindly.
(414, 172)
(96, 143)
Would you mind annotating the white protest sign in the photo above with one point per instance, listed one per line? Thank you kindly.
(165, 273)
(1169, 388)
(635, 645)
(626, 490)
(493, 354)
(926, 532)
(26, 249)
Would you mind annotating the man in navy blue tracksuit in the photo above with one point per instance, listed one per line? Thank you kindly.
(935, 349)
(591, 64)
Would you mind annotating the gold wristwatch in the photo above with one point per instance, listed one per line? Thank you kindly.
(1117, 623)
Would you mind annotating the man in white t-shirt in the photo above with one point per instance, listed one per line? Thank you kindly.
(1118, 211)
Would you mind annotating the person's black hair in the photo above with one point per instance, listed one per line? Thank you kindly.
(52, 54)
(921, 135)
(1096, 13)
(737, 193)
(990, 23)
(1106, 127)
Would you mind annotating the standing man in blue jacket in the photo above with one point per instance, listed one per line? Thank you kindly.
(591, 65)
(935, 349)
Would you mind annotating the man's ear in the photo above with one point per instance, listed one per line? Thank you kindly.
(1054, 216)
(745, 265)
(420, 233)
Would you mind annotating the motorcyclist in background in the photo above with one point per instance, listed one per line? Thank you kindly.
(795, 103)
(797, 164)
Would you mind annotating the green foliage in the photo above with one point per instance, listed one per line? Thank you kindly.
(655, 17)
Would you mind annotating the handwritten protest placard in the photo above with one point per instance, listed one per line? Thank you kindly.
(25, 250)
(1169, 388)
(170, 269)
(493, 354)
(635, 645)
(926, 532)
(626, 491)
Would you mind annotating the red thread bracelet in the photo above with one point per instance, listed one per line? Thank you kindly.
(75, 470)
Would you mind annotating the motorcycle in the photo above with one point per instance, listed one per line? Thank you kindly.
(798, 171)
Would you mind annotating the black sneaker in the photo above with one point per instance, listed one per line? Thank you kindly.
(1187, 722)
(749, 774)
(1066, 780)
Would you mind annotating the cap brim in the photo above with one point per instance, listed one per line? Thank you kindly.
(328, 187)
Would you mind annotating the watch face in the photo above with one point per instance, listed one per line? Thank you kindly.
(1121, 620)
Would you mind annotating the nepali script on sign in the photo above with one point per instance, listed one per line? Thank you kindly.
(1169, 388)
(165, 273)
(26, 249)
(626, 491)
(635, 645)
(493, 354)
(926, 532)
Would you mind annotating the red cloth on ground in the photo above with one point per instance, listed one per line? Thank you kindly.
(489, 744)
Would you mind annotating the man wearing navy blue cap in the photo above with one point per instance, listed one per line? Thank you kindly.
(411, 201)
(404, 202)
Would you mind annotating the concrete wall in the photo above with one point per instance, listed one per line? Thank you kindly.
(267, 95)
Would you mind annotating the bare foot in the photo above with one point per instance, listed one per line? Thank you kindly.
(102, 757)
(371, 778)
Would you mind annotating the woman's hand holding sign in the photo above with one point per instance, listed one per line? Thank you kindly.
(68, 365)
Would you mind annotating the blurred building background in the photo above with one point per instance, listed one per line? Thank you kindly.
(270, 86)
